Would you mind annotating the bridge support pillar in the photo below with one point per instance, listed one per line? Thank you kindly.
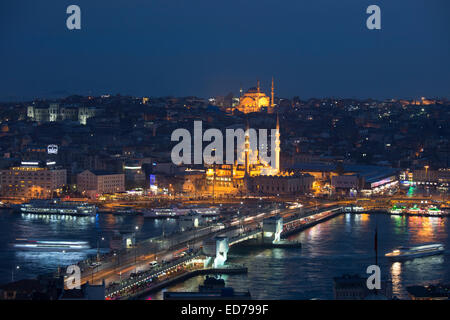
(272, 228)
(216, 249)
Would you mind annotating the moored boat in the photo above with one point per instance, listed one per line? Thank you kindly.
(57, 207)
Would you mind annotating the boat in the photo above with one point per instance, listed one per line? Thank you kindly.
(126, 211)
(416, 252)
(205, 211)
(50, 245)
(58, 207)
(397, 209)
(212, 289)
(175, 212)
(415, 210)
(433, 210)
(212, 284)
(161, 213)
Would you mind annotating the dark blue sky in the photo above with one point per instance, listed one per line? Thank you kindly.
(314, 48)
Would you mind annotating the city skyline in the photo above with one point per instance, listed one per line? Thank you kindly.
(239, 150)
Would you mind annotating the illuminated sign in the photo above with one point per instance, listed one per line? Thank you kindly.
(382, 182)
(152, 180)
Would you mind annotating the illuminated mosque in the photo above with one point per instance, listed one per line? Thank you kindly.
(255, 175)
(250, 174)
(253, 100)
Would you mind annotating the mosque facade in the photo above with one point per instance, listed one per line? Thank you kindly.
(254, 100)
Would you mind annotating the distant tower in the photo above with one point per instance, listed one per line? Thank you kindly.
(277, 146)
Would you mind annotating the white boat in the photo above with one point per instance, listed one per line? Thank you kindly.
(50, 245)
(174, 212)
(397, 209)
(126, 211)
(57, 207)
(416, 252)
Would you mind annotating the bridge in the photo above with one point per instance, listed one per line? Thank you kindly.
(128, 272)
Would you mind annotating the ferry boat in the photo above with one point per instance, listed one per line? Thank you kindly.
(175, 212)
(416, 252)
(212, 289)
(50, 245)
(126, 211)
(415, 210)
(397, 209)
(433, 210)
(57, 207)
(212, 284)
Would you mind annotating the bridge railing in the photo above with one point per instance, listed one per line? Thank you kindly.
(150, 274)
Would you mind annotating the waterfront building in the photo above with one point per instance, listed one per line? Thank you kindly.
(367, 179)
(95, 182)
(135, 173)
(190, 221)
(283, 184)
(346, 182)
(430, 177)
(55, 112)
(33, 180)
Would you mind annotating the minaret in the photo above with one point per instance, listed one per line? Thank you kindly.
(272, 100)
(257, 98)
(277, 146)
(247, 150)
(272, 104)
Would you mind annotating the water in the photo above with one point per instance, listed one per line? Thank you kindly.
(92, 229)
(344, 244)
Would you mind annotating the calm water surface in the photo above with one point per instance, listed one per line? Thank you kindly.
(342, 245)
(91, 229)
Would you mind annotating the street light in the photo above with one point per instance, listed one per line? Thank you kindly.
(135, 250)
(98, 248)
(12, 272)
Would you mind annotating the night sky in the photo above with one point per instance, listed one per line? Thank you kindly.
(318, 48)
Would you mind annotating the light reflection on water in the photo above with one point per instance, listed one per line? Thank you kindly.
(341, 245)
(344, 244)
(54, 227)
